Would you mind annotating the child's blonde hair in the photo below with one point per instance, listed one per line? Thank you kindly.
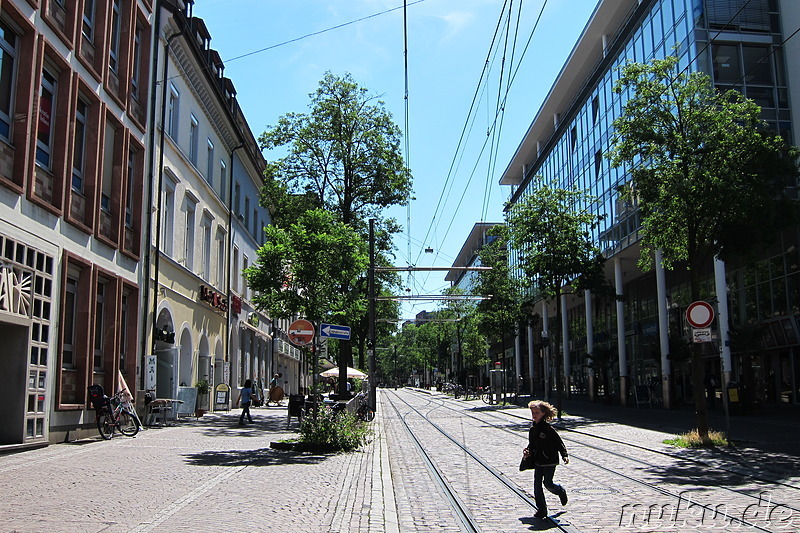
(547, 410)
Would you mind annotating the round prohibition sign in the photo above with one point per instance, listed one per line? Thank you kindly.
(301, 332)
(700, 314)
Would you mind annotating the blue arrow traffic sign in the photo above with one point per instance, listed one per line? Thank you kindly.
(334, 332)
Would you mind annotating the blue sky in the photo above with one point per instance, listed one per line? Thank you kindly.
(276, 51)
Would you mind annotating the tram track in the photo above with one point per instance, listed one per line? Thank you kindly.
(463, 502)
(678, 472)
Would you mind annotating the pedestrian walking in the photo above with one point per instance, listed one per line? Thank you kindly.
(544, 445)
(244, 398)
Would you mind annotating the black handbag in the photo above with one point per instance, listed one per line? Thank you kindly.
(527, 463)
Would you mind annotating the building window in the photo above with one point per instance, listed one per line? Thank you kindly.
(194, 134)
(108, 167)
(129, 188)
(168, 221)
(123, 333)
(136, 74)
(210, 164)
(79, 146)
(255, 222)
(222, 173)
(206, 251)
(188, 232)
(47, 110)
(236, 195)
(247, 212)
(99, 334)
(88, 20)
(113, 52)
(220, 258)
(235, 267)
(70, 301)
(245, 264)
(8, 60)
(172, 112)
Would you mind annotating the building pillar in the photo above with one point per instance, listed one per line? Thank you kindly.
(721, 288)
(531, 378)
(587, 303)
(546, 349)
(517, 360)
(621, 352)
(663, 330)
(565, 345)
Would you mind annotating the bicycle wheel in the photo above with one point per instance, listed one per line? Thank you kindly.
(369, 414)
(105, 425)
(486, 397)
(127, 424)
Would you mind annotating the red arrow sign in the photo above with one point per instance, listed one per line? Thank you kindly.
(700, 314)
(301, 332)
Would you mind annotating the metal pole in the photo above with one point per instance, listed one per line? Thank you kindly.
(371, 318)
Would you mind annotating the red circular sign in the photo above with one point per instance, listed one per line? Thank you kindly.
(700, 314)
(301, 332)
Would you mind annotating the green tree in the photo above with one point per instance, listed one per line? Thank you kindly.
(499, 315)
(551, 231)
(301, 266)
(462, 329)
(707, 175)
(343, 156)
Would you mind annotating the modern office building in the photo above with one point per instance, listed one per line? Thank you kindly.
(74, 90)
(746, 45)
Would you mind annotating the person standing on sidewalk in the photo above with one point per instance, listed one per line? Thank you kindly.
(245, 396)
(545, 445)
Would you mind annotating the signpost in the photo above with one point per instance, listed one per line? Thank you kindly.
(334, 332)
(301, 332)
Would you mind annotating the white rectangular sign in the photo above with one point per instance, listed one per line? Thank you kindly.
(150, 372)
(701, 335)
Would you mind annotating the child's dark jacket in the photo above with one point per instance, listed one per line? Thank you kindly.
(545, 444)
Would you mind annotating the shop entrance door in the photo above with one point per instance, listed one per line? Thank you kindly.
(13, 382)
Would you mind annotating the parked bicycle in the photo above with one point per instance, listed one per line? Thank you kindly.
(486, 395)
(364, 412)
(112, 413)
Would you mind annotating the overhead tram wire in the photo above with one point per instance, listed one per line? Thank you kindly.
(307, 35)
(466, 124)
(407, 129)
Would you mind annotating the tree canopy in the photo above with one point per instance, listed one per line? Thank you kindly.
(707, 174)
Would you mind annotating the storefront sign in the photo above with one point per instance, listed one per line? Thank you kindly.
(150, 372)
(213, 298)
(253, 320)
(236, 304)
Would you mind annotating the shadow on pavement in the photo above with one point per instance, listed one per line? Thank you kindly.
(259, 457)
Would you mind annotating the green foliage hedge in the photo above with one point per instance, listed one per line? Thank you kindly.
(326, 429)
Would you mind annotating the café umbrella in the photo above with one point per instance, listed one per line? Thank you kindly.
(351, 373)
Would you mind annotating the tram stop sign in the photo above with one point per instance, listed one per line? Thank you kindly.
(301, 332)
(700, 314)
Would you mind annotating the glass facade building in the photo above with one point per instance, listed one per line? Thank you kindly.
(741, 45)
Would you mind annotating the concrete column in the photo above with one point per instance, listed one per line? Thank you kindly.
(565, 344)
(622, 354)
(531, 377)
(723, 322)
(517, 361)
(546, 351)
(587, 302)
(663, 328)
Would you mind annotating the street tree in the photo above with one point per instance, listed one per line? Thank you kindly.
(462, 329)
(706, 173)
(551, 231)
(344, 156)
(301, 266)
(499, 315)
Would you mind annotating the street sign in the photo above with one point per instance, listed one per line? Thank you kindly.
(301, 332)
(701, 334)
(334, 332)
(700, 314)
